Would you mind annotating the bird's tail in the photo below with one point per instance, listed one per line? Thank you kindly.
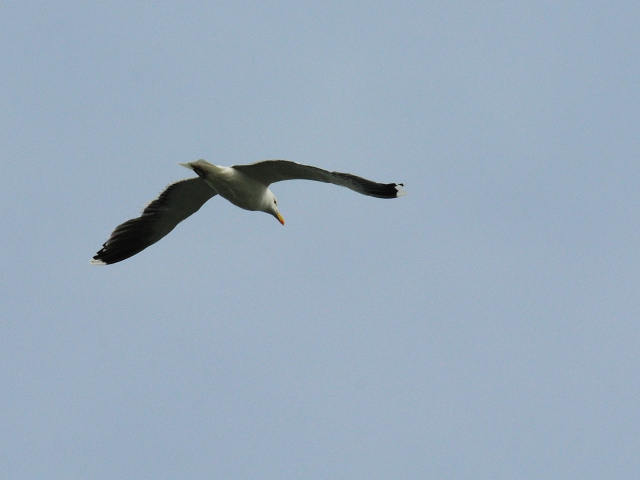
(201, 167)
(197, 163)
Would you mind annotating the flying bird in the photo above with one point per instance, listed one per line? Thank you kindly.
(246, 186)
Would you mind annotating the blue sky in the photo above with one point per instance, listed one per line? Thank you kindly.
(483, 326)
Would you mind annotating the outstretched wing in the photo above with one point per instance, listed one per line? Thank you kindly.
(178, 201)
(271, 171)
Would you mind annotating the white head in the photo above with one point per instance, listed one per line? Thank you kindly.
(270, 206)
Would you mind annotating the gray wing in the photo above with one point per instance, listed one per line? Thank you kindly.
(178, 201)
(271, 171)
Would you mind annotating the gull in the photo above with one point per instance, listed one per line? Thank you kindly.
(246, 186)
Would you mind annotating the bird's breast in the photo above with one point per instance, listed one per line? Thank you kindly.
(238, 188)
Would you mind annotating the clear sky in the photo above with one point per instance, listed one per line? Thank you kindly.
(483, 326)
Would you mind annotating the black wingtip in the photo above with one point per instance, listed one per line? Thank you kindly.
(381, 190)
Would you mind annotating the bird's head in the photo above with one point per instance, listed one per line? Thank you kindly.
(270, 206)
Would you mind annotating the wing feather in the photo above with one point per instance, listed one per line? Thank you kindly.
(272, 171)
(176, 203)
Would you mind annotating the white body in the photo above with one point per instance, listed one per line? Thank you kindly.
(233, 185)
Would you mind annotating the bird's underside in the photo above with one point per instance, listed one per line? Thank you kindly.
(185, 197)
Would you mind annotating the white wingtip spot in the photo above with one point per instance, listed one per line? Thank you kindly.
(399, 188)
(97, 262)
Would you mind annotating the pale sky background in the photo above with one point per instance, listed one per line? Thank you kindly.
(486, 325)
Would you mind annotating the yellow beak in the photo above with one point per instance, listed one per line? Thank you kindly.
(280, 219)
